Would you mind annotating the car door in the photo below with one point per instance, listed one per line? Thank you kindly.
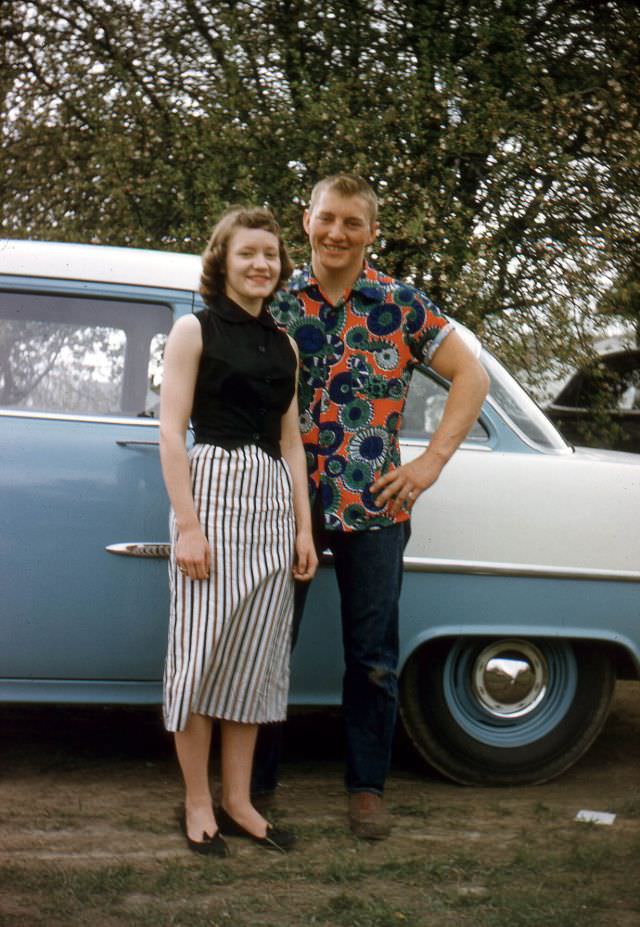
(80, 473)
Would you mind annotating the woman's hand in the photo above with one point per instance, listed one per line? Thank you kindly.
(193, 553)
(305, 560)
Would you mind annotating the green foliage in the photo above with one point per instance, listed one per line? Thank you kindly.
(503, 138)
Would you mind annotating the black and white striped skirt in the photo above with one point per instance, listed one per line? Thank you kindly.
(229, 636)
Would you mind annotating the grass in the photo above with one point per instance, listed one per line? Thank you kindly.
(354, 911)
(144, 825)
(629, 807)
(564, 880)
(99, 848)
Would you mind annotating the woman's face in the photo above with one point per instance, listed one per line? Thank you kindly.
(252, 268)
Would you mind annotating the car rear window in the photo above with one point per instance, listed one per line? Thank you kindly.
(81, 355)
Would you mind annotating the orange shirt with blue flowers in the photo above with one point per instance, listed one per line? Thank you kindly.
(356, 360)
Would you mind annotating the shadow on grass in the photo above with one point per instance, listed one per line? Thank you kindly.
(63, 736)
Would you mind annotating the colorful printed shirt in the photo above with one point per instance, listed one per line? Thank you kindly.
(356, 360)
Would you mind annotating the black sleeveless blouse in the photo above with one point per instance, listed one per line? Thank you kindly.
(246, 378)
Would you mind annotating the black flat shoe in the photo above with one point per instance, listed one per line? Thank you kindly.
(210, 845)
(275, 839)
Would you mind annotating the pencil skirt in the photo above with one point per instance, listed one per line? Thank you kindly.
(229, 636)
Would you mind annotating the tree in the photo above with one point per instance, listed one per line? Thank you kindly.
(502, 136)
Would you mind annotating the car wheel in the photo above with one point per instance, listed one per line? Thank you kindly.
(506, 711)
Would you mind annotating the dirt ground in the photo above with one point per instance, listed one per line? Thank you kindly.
(95, 789)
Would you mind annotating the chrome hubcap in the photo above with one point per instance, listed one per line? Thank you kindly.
(510, 678)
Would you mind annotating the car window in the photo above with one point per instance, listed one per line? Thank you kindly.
(154, 377)
(80, 355)
(627, 385)
(424, 407)
(611, 382)
(630, 396)
(515, 404)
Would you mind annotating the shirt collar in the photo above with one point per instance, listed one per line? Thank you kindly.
(367, 286)
(231, 311)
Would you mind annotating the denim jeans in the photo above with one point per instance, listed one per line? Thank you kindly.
(368, 567)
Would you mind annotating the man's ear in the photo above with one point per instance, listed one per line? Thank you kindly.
(373, 232)
(305, 220)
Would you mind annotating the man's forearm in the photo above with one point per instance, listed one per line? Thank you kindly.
(466, 395)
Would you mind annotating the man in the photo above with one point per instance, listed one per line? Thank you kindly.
(360, 334)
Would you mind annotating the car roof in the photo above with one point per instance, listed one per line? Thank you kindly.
(100, 263)
(108, 264)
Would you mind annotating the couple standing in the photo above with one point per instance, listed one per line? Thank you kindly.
(253, 494)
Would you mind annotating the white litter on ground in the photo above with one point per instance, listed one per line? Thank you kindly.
(596, 817)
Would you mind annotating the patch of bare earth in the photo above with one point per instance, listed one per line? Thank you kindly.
(88, 835)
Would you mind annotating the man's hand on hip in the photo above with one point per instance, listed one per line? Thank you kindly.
(404, 485)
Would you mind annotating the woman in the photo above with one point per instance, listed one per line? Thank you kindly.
(240, 524)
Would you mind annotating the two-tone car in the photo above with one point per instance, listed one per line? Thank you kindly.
(521, 596)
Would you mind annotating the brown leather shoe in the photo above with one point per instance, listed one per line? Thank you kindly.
(368, 818)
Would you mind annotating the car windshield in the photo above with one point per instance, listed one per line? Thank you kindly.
(518, 407)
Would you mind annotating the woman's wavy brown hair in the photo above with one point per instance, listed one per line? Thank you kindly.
(214, 258)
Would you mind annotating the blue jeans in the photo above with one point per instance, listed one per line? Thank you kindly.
(368, 567)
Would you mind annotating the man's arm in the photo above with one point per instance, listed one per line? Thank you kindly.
(454, 361)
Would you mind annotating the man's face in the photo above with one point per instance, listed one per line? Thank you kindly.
(339, 230)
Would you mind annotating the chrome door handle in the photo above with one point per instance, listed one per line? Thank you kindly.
(156, 549)
(143, 443)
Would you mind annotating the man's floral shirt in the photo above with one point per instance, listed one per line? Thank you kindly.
(356, 360)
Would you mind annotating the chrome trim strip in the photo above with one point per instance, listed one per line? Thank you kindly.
(160, 550)
(144, 421)
(149, 549)
(465, 446)
(536, 570)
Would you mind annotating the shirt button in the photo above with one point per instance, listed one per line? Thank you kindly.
(262, 411)
(267, 380)
(261, 348)
(256, 436)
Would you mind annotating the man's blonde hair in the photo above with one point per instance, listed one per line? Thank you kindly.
(347, 185)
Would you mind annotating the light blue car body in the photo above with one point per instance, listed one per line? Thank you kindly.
(80, 623)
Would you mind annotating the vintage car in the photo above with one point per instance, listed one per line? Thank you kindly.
(521, 598)
(599, 404)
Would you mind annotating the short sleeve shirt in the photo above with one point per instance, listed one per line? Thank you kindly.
(356, 360)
